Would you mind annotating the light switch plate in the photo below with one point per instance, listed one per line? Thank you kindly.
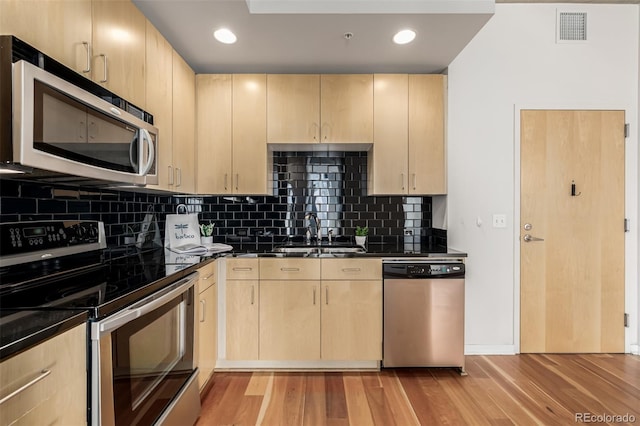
(499, 220)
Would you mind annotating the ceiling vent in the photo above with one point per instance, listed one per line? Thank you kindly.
(571, 27)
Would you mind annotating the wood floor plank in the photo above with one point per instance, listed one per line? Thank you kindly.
(258, 383)
(358, 409)
(315, 401)
(403, 413)
(286, 406)
(336, 401)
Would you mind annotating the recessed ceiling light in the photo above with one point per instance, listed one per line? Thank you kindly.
(404, 37)
(224, 35)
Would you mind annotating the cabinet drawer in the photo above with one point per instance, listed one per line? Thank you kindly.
(242, 269)
(289, 269)
(207, 276)
(352, 269)
(59, 397)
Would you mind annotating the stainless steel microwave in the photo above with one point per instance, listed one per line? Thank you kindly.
(59, 126)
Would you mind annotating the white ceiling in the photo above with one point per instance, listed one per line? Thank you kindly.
(307, 36)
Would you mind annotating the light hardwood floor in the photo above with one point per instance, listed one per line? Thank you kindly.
(499, 390)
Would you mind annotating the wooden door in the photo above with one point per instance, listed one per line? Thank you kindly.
(214, 134)
(572, 280)
(388, 164)
(119, 39)
(346, 108)
(293, 108)
(289, 320)
(351, 320)
(250, 165)
(242, 319)
(184, 125)
(159, 95)
(427, 172)
(61, 29)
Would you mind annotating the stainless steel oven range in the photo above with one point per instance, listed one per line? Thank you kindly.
(140, 347)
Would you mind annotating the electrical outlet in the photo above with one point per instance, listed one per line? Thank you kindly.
(499, 220)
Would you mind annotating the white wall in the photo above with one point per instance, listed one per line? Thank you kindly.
(514, 63)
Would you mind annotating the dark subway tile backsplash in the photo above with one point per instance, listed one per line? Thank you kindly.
(330, 185)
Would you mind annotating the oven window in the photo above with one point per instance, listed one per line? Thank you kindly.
(151, 358)
(67, 128)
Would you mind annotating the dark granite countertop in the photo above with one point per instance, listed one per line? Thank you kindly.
(21, 330)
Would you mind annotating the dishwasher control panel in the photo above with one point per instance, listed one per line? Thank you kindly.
(424, 270)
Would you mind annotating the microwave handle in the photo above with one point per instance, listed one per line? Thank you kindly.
(145, 135)
(147, 305)
(134, 143)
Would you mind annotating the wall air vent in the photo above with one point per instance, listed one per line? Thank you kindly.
(571, 27)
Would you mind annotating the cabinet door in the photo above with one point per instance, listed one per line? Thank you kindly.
(249, 134)
(388, 160)
(159, 95)
(351, 320)
(214, 136)
(293, 108)
(61, 29)
(60, 396)
(346, 108)
(242, 320)
(426, 134)
(207, 352)
(289, 320)
(119, 49)
(184, 104)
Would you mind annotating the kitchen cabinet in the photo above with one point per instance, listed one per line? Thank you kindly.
(60, 29)
(242, 298)
(408, 153)
(207, 323)
(249, 126)
(118, 49)
(328, 108)
(351, 310)
(289, 309)
(184, 125)
(232, 150)
(159, 99)
(214, 133)
(60, 396)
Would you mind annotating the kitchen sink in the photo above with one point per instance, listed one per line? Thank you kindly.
(319, 250)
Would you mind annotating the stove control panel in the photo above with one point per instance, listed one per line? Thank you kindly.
(27, 237)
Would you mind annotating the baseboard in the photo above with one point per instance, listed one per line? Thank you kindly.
(635, 349)
(489, 350)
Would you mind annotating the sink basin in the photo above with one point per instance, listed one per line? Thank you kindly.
(319, 250)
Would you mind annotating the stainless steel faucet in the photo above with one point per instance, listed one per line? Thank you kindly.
(310, 215)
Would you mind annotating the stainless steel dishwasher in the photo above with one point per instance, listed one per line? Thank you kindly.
(424, 314)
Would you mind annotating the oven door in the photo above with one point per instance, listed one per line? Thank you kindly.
(143, 359)
(63, 128)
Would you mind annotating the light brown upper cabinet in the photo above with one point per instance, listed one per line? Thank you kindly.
(159, 96)
(408, 152)
(118, 50)
(60, 29)
(328, 108)
(214, 134)
(184, 125)
(249, 127)
(232, 131)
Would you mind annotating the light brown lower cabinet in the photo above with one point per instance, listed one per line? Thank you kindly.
(60, 394)
(207, 313)
(351, 320)
(289, 320)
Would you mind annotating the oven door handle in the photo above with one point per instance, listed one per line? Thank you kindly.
(147, 305)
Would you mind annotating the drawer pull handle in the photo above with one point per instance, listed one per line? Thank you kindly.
(42, 375)
(238, 269)
(290, 269)
(314, 295)
(351, 269)
(252, 295)
(203, 311)
(326, 295)
(207, 277)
